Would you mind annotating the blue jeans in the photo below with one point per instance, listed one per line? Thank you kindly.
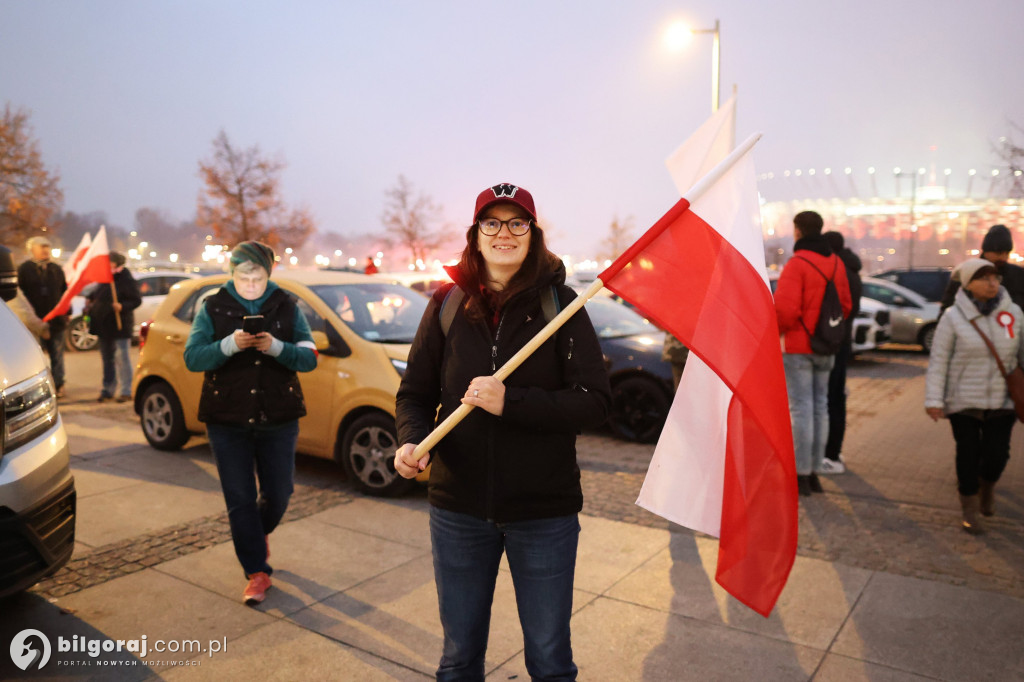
(542, 560)
(117, 365)
(807, 386)
(253, 515)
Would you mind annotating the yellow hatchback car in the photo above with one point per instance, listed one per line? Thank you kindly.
(362, 328)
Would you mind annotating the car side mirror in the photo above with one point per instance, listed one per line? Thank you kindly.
(900, 301)
(320, 341)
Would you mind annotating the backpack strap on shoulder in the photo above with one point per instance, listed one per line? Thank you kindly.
(835, 266)
(450, 305)
(549, 303)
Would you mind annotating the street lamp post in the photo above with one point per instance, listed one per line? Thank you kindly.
(913, 228)
(679, 33)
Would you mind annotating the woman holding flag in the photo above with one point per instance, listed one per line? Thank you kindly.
(504, 480)
(977, 338)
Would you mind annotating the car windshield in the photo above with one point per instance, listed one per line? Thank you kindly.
(385, 313)
(614, 320)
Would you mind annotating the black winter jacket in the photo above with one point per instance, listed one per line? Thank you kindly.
(43, 287)
(100, 307)
(522, 465)
(251, 388)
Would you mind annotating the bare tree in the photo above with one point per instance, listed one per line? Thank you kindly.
(1012, 156)
(241, 199)
(29, 195)
(620, 237)
(410, 219)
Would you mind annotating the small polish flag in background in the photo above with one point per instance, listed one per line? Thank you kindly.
(93, 266)
(76, 257)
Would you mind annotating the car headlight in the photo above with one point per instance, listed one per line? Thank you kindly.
(399, 366)
(29, 409)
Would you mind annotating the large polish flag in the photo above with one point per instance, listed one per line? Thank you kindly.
(93, 266)
(724, 464)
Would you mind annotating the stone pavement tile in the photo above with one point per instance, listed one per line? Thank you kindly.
(680, 579)
(194, 469)
(943, 632)
(393, 520)
(615, 641)
(842, 669)
(311, 561)
(158, 606)
(127, 512)
(90, 434)
(91, 479)
(394, 616)
(283, 651)
(611, 550)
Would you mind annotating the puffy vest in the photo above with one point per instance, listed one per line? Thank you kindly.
(251, 388)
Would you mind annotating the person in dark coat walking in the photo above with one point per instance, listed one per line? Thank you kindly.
(995, 248)
(42, 282)
(505, 479)
(833, 462)
(115, 340)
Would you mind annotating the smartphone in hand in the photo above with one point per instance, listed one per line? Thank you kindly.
(252, 324)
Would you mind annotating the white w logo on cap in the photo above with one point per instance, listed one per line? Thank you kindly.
(504, 190)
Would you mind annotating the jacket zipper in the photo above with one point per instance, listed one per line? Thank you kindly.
(494, 346)
(491, 466)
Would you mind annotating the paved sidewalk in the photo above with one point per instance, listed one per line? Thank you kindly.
(885, 587)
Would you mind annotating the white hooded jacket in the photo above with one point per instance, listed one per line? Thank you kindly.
(962, 374)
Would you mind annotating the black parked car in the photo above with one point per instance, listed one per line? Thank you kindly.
(641, 381)
(929, 282)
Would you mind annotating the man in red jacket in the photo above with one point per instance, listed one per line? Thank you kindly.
(797, 304)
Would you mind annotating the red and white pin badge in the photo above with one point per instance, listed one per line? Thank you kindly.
(1006, 320)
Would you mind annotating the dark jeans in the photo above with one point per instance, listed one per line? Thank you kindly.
(982, 449)
(54, 347)
(252, 516)
(542, 560)
(837, 403)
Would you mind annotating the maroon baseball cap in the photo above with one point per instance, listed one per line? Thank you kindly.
(505, 192)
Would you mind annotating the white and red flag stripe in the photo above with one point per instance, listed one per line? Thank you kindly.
(71, 264)
(94, 266)
(724, 465)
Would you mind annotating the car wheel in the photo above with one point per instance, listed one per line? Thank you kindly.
(639, 408)
(163, 421)
(368, 456)
(78, 336)
(926, 337)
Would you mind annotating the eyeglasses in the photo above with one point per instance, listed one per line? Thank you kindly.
(993, 278)
(492, 226)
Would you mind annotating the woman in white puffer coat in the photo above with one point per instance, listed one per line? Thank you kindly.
(964, 383)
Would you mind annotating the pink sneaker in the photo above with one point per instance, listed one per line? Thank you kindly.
(256, 590)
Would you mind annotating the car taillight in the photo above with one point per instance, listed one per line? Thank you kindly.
(143, 333)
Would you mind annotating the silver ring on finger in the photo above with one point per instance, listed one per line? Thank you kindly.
(476, 392)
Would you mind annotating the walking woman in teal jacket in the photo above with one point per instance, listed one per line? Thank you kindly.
(251, 400)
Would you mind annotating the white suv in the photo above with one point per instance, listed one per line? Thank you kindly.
(37, 491)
